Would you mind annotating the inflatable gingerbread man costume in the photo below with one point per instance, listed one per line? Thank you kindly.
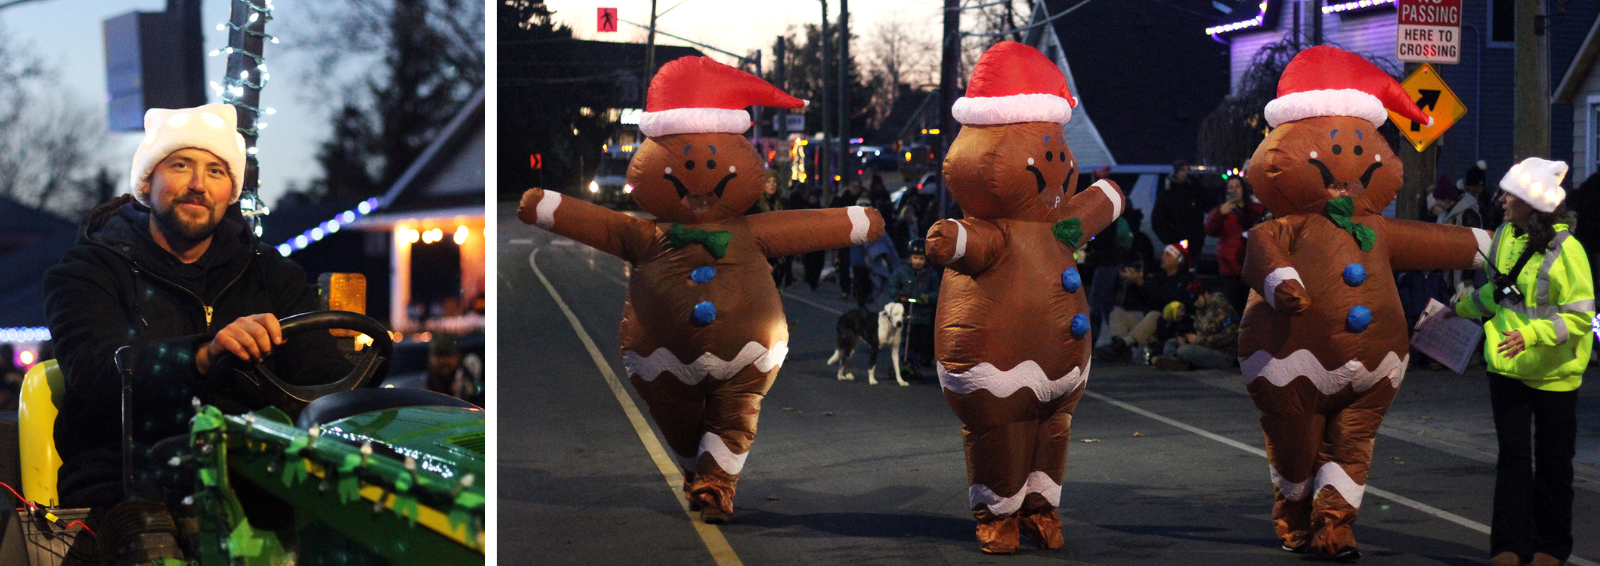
(1323, 342)
(1011, 336)
(703, 332)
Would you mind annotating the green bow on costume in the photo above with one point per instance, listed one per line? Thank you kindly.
(1339, 211)
(1069, 231)
(715, 241)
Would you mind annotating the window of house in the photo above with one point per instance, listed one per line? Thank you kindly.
(1593, 156)
(1502, 22)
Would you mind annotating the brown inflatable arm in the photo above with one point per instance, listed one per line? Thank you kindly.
(1097, 207)
(1425, 245)
(968, 246)
(599, 227)
(789, 232)
(1267, 268)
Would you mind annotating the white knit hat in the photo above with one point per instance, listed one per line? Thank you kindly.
(213, 128)
(1537, 182)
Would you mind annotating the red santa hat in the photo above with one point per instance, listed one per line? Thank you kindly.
(695, 95)
(1328, 81)
(1013, 83)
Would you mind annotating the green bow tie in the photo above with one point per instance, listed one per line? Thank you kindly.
(715, 241)
(1339, 211)
(1069, 231)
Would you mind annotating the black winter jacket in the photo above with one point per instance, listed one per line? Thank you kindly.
(116, 287)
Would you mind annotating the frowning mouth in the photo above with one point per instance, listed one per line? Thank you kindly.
(700, 203)
(1037, 177)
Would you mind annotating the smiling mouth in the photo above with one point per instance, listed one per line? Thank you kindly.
(700, 203)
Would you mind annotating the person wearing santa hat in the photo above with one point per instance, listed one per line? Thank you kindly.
(1012, 327)
(172, 273)
(1323, 344)
(703, 331)
(1536, 347)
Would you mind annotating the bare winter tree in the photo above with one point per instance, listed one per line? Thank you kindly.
(50, 145)
(901, 54)
(987, 22)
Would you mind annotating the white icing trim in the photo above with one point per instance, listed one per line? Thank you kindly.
(544, 214)
(693, 121)
(1277, 277)
(1013, 109)
(719, 451)
(1484, 241)
(860, 225)
(1302, 362)
(961, 243)
(1292, 491)
(707, 365)
(1332, 102)
(1332, 474)
(1038, 482)
(1004, 383)
(1111, 195)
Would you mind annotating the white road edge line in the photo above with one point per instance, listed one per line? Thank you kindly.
(812, 303)
(1395, 497)
(721, 552)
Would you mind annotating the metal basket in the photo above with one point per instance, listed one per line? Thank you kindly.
(47, 543)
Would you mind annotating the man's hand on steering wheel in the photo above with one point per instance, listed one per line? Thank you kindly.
(249, 338)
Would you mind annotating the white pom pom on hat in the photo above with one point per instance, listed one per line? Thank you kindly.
(213, 128)
(1537, 182)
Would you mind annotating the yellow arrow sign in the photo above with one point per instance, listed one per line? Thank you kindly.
(1436, 99)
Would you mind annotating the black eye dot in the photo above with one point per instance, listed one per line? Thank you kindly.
(1063, 157)
(690, 164)
(1337, 150)
(711, 164)
(1356, 149)
(1049, 156)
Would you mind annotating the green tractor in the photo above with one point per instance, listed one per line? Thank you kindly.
(357, 475)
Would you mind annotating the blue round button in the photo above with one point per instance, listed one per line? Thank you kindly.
(705, 312)
(702, 275)
(1080, 324)
(1070, 280)
(1355, 275)
(1360, 318)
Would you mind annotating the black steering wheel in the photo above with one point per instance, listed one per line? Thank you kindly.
(255, 386)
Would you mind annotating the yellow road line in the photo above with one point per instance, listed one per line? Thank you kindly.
(710, 534)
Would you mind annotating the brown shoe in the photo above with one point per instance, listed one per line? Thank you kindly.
(1506, 558)
(1042, 529)
(1542, 559)
(998, 536)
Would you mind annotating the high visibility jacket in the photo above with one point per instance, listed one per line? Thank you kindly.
(1554, 315)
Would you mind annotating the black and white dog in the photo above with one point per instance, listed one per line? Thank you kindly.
(857, 325)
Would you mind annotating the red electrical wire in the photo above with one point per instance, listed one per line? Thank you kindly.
(35, 507)
(85, 527)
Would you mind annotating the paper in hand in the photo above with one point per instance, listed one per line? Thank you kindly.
(1449, 340)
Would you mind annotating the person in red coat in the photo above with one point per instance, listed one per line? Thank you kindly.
(1227, 222)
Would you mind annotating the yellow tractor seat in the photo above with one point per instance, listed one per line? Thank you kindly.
(42, 390)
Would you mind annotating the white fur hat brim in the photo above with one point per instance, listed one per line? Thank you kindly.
(213, 128)
(694, 121)
(1013, 109)
(1335, 102)
(1537, 182)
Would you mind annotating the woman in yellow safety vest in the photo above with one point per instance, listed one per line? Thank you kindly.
(1539, 303)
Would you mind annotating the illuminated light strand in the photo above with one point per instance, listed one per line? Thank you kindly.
(331, 226)
(25, 334)
(1259, 19)
(1357, 5)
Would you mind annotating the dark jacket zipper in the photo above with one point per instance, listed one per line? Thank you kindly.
(203, 304)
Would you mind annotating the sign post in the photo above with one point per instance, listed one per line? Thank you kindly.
(1429, 31)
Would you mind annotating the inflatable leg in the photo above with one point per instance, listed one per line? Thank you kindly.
(1038, 517)
(729, 428)
(1341, 477)
(1294, 436)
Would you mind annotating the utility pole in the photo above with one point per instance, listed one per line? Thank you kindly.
(823, 174)
(844, 89)
(1421, 168)
(757, 111)
(1316, 22)
(247, 37)
(949, 67)
(1530, 135)
(650, 48)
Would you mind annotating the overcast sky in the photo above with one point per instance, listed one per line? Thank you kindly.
(69, 34)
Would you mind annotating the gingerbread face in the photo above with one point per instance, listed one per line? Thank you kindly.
(1019, 171)
(694, 178)
(1303, 164)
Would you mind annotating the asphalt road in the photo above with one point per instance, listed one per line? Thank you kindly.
(1165, 468)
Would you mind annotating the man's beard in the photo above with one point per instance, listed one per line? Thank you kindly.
(174, 227)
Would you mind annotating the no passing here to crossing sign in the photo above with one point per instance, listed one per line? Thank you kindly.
(1429, 31)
